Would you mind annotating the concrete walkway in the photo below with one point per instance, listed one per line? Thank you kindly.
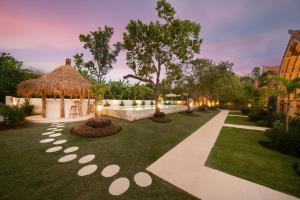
(183, 166)
(258, 128)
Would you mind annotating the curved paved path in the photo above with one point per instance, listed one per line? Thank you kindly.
(183, 166)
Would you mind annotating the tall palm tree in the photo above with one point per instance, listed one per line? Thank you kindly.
(286, 89)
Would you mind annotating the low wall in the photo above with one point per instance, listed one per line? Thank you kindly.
(53, 105)
(133, 115)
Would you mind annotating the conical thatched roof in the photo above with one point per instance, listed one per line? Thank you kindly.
(63, 80)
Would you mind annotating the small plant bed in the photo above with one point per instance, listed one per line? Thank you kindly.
(6, 126)
(235, 112)
(240, 121)
(96, 127)
(160, 117)
(191, 114)
(249, 160)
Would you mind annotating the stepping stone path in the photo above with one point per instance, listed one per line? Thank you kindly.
(110, 170)
(142, 179)
(71, 149)
(59, 142)
(87, 170)
(57, 130)
(55, 135)
(47, 140)
(119, 186)
(47, 133)
(86, 159)
(54, 149)
(67, 158)
(49, 129)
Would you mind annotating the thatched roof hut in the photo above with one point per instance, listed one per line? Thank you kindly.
(63, 81)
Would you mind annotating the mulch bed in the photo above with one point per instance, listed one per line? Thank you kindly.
(160, 119)
(88, 131)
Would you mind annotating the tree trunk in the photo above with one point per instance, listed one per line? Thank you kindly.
(44, 102)
(88, 106)
(287, 114)
(62, 105)
(188, 103)
(97, 112)
(81, 105)
(156, 98)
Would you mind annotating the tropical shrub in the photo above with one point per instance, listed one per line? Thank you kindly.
(122, 103)
(27, 107)
(296, 168)
(134, 103)
(13, 115)
(107, 104)
(245, 110)
(285, 142)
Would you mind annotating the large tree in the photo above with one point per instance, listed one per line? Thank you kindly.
(98, 44)
(12, 72)
(160, 46)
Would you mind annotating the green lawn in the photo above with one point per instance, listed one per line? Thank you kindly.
(27, 172)
(239, 121)
(249, 160)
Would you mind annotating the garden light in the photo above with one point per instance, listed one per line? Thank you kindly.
(99, 107)
(249, 105)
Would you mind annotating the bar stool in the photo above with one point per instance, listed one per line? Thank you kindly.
(91, 108)
(74, 111)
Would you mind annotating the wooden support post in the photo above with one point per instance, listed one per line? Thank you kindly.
(44, 104)
(62, 105)
(81, 106)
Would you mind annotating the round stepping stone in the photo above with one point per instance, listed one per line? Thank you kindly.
(87, 170)
(54, 149)
(67, 158)
(59, 142)
(142, 179)
(86, 159)
(47, 140)
(47, 133)
(57, 130)
(71, 149)
(110, 170)
(119, 186)
(55, 135)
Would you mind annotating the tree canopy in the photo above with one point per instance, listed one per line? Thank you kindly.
(98, 44)
(160, 46)
(12, 72)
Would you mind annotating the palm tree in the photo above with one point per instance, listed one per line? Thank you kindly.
(286, 89)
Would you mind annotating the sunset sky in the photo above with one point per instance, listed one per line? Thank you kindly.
(246, 32)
